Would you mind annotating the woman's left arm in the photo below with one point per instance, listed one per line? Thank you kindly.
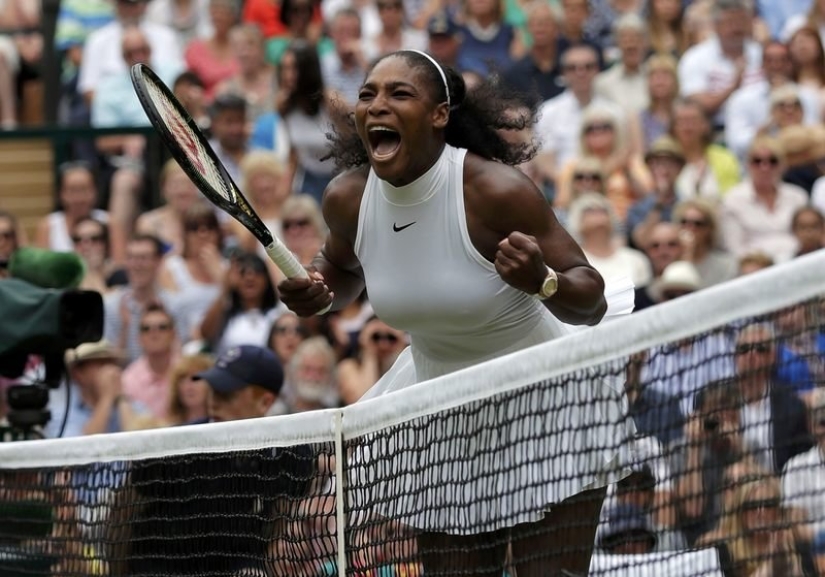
(513, 225)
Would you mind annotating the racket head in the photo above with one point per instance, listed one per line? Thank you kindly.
(192, 151)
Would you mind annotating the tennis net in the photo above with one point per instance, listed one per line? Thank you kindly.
(701, 416)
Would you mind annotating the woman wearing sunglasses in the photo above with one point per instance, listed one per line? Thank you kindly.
(702, 241)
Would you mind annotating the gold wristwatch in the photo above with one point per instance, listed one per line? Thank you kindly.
(549, 286)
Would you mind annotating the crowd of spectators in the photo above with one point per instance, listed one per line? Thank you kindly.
(682, 144)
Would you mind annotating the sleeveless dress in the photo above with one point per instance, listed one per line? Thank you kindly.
(424, 276)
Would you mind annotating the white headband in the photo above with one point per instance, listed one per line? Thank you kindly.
(437, 67)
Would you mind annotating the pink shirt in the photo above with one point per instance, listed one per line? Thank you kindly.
(202, 61)
(141, 384)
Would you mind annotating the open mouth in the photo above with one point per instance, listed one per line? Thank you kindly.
(384, 142)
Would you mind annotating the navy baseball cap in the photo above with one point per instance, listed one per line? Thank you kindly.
(242, 366)
(442, 25)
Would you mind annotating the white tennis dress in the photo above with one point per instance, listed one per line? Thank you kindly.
(475, 472)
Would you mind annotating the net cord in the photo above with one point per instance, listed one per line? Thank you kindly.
(758, 293)
(340, 517)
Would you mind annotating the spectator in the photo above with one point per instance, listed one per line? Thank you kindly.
(749, 108)
(655, 413)
(344, 69)
(665, 24)
(211, 56)
(303, 227)
(575, 14)
(560, 119)
(808, 226)
(269, 131)
(246, 308)
(117, 105)
(753, 262)
(712, 70)
(266, 15)
(77, 194)
(255, 80)
(625, 82)
(602, 135)
(808, 59)
(662, 89)
(593, 223)
(166, 222)
(774, 427)
(537, 74)
(9, 67)
(188, 88)
(679, 278)
(310, 382)
(702, 242)
(662, 248)
(188, 18)
(818, 550)
(379, 347)
(444, 42)
(229, 123)
(786, 111)
(265, 183)
(755, 534)
(187, 395)
(147, 378)
(346, 325)
(304, 104)
(395, 34)
(297, 17)
(804, 148)
(711, 443)
(489, 44)
(99, 60)
(124, 306)
(90, 240)
(756, 214)
(665, 160)
(810, 13)
(286, 335)
(197, 272)
(98, 404)
(628, 531)
(710, 169)
(799, 364)
(10, 240)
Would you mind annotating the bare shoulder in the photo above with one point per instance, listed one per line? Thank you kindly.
(342, 200)
(502, 195)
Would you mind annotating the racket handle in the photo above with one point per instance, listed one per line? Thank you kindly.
(285, 260)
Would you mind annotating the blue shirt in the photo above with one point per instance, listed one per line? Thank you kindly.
(116, 103)
(794, 371)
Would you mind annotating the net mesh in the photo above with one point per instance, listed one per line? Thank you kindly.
(517, 467)
(189, 142)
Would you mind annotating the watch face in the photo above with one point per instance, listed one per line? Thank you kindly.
(549, 287)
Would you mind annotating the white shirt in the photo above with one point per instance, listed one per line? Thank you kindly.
(627, 90)
(559, 124)
(818, 194)
(199, 25)
(249, 328)
(756, 431)
(625, 262)
(803, 486)
(749, 109)
(749, 225)
(704, 68)
(103, 57)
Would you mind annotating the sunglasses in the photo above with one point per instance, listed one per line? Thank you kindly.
(77, 239)
(389, 337)
(297, 331)
(764, 161)
(667, 244)
(389, 5)
(746, 348)
(600, 127)
(587, 176)
(158, 327)
(789, 104)
(299, 223)
(761, 504)
(693, 222)
(586, 67)
(200, 227)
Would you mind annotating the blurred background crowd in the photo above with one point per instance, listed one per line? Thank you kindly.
(682, 143)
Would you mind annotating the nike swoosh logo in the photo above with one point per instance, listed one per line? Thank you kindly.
(397, 228)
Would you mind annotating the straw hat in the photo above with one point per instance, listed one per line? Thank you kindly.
(665, 147)
(101, 350)
(680, 275)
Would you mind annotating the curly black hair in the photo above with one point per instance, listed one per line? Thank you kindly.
(478, 118)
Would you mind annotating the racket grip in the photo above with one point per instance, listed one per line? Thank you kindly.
(285, 260)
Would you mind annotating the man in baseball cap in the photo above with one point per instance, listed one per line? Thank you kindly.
(244, 383)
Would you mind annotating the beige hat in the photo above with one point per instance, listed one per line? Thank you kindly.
(785, 93)
(101, 350)
(680, 275)
(665, 147)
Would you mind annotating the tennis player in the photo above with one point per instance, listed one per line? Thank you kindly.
(457, 247)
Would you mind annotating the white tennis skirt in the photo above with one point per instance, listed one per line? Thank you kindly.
(494, 463)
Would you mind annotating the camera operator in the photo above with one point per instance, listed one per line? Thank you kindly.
(97, 404)
(712, 442)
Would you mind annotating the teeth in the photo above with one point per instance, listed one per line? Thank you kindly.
(381, 129)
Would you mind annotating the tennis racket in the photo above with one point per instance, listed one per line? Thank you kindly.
(192, 151)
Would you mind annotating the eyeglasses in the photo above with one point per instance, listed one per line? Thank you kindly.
(587, 176)
(136, 50)
(764, 161)
(599, 127)
(389, 5)
(746, 348)
(200, 227)
(757, 505)
(665, 244)
(77, 239)
(159, 327)
(584, 67)
(298, 223)
(698, 223)
(789, 104)
(389, 337)
(296, 331)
